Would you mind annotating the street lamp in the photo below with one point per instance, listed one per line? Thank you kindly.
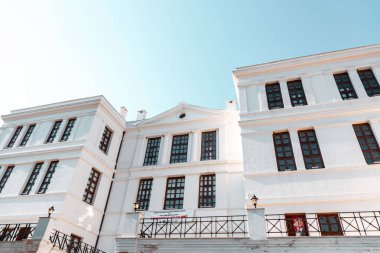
(254, 200)
(136, 206)
(50, 210)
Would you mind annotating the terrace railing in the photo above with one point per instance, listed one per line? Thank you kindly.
(194, 227)
(16, 232)
(70, 244)
(366, 223)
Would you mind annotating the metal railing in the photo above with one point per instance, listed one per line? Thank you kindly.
(194, 227)
(16, 232)
(365, 223)
(71, 244)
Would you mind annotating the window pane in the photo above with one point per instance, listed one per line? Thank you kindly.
(345, 86)
(54, 130)
(179, 148)
(367, 142)
(285, 160)
(5, 177)
(48, 176)
(207, 189)
(175, 189)
(105, 141)
(369, 81)
(14, 137)
(208, 147)
(274, 96)
(143, 195)
(296, 93)
(32, 179)
(92, 183)
(69, 127)
(152, 151)
(310, 149)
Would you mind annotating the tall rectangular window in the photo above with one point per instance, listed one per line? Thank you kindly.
(69, 127)
(175, 189)
(14, 137)
(143, 195)
(345, 87)
(371, 85)
(32, 179)
(296, 93)
(152, 151)
(27, 135)
(53, 132)
(48, 176)
(208, 147)
(274, 96)
(310, 149)
(5, 177)
(368, 143)
(92, 184)
(179, 148)
(284, 152)
(106, 139)
(207, 191)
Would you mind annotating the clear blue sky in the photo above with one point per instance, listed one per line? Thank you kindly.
(154, 54)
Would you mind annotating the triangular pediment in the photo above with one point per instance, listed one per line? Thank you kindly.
(183, 112)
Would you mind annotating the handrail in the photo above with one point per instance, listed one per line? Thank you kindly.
(16, 232)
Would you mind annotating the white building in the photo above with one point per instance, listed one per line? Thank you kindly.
(188, 157)
(48, 154)
(310, 132)
(305, 142)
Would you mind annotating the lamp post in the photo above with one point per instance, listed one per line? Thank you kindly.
(136, 206)
(254, 200)
(50, 210)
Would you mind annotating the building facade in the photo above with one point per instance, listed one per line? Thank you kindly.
(296, 168)
(310, 133)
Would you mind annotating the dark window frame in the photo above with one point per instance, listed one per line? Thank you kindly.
(68, 129)
(209, 145)
(32, 178)
(5, 177)
(48, 177)
(274, 96)
(311, 151)
(291, 226)
(207, 191)
(152, 151)
(345, 86)
(280, 145)
(179, 149)
(106, 139)
(366, 138)
(27, 135)
(369, 81)
(53, 132)
(174, 194)
(330, 224)
(91, 187)
(15, 135)
(74, 243)
(296, 93)
(144, 193)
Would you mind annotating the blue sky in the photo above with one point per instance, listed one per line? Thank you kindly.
(154, 54)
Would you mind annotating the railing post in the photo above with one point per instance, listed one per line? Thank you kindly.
(131, 225)
(256, 224)
(42, 228)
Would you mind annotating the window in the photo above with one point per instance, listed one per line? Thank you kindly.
(369, 81)
(296, 224)
(74, 245)
(5, 177)
(179, 148)
(296, 93)
(284, 152)
(143, 195)
(14, 137)
(329, 224)
(207, 191)
(69, 127)
(152, 151)
(54, 130)
(92, 184)
(274, 96)
(27, 135)
(105, 141)
(310, 149)
(208, 148)
(175, 189)
(48, 176)
(345, 87)
(368, 143)
(32, 179)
